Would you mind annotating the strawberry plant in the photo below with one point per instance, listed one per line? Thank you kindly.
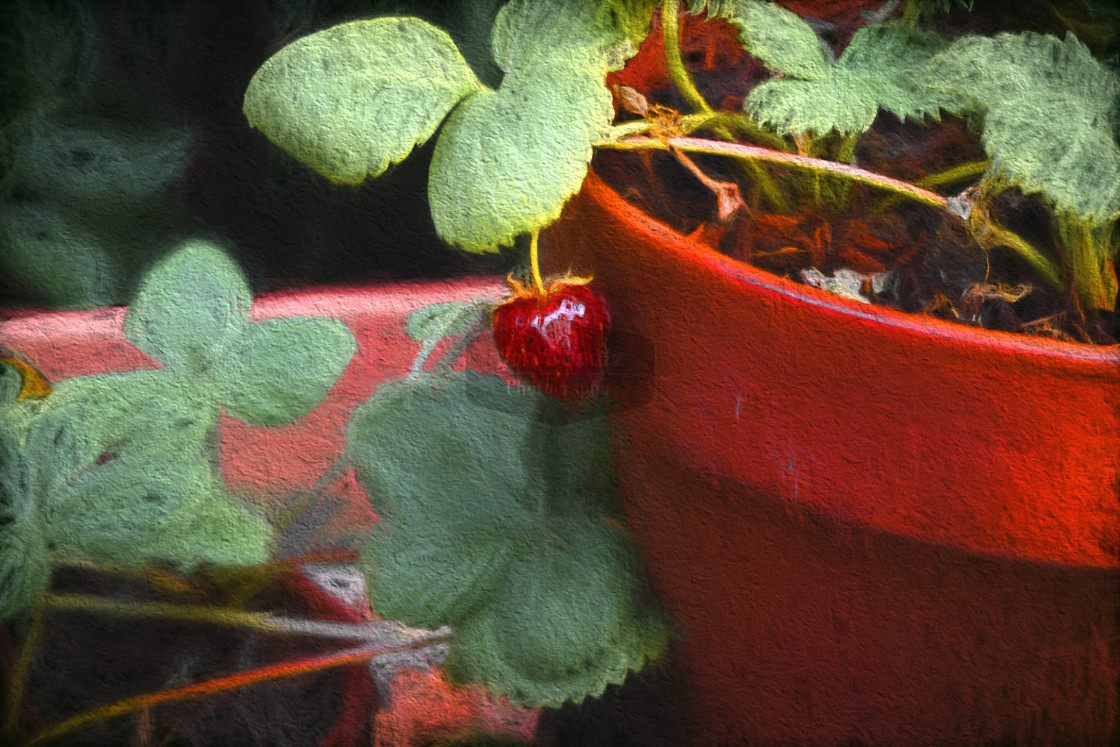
(506, 159)
(496, 511)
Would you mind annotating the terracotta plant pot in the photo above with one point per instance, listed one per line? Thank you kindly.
(868, 525)
(268, 464)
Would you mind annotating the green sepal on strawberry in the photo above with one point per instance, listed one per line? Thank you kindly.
(555, 339)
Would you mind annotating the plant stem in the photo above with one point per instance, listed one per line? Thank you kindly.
(991, 234)
(22, 669)
(380, 633)
(426, 349)
(955, 174)
(534, 263)
(755, 153)
(949, 176)
(448, 360)
(1093, 274)
(230, 682)
(678, 73)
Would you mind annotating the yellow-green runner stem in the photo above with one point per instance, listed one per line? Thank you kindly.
(534, 263)
(949, 176)
(678, 73)
(955, 174)
(754, 153)
(376, 632)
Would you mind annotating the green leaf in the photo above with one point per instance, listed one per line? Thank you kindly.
(418, 442)
(353, 98)
(190, 308)
(508, 160)
(635, 17)
(140, 510)
(102, 165)
(573, 617)
(497, 519)
(11, 383)
(883, 67)
(1051, 113)
(443, 568)
(438, 320)
(119, 471)
(281, 369)
(55, 258)
(782, 40)
(215, 530)
(109, 511)
(24, 560)
(788, 105)
(91, 418)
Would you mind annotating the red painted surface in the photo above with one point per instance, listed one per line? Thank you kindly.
(869, 525)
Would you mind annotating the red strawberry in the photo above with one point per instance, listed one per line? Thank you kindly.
(555, 341)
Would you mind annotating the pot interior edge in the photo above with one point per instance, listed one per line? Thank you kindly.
(614, 203)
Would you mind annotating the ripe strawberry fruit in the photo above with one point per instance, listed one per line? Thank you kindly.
(557, 342)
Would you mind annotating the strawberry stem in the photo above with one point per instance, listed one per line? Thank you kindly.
(750, 152)
(534, 264)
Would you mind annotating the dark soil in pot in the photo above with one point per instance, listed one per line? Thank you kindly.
(910, 257)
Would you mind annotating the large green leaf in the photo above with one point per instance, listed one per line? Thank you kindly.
(444, 566)
(116, 466)
(119, 469)
(418, 442)
(353, 98)
(213, 530)
(508, 160)
(282, 368)
(883, 67)
(145, 509)
(109, 511)
(190, 308)
(497, 519)
(1051, 114)
(780, 39)
(572, 617)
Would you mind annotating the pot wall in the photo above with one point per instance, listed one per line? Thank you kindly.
(869, 526)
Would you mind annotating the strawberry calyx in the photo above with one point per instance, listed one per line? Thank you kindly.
(555, 284)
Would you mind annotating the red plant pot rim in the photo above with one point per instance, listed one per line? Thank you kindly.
(688, 250)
